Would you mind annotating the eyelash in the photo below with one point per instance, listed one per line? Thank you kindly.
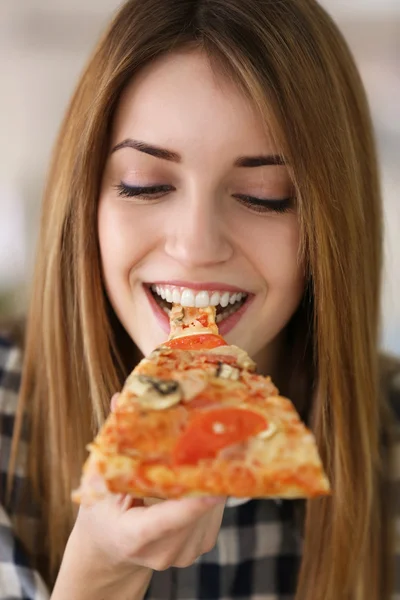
(257, 205)
(152, 191)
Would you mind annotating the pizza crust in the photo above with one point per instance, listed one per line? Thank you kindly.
(126, 475)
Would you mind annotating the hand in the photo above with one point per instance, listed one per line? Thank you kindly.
(119, 540)
(156, 534)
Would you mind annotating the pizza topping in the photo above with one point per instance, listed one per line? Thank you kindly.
(214, 359)
(154, 393)
(267, 433)
(227, 372)
(192, 382)
(160, 350)
(203, 320)
(169, 357)
(199, 341)
(190, 320)
(203, 401)
(258, 383)
(163, 386)
(218, 427)
(152, 434)
(243, 360)
(212, 430)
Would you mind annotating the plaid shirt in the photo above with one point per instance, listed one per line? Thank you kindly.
(257, 556)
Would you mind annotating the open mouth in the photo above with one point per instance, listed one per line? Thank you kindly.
(226, 303)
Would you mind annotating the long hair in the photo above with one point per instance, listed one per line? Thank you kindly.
(291, 60)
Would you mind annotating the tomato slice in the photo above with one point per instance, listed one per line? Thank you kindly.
(198, 341)
(214, 429)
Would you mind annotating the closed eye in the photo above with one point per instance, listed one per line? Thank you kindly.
(262, 205)
(138, 191)
(259, 205)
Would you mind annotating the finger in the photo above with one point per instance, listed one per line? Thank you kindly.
(114, 400)
(152, 501)
(199, 539)
(169, 516)
(127, 502)
(184, 547)
(164, 550)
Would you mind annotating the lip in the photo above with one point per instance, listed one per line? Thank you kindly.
(224, 327)
(205, 285)
(160, 315)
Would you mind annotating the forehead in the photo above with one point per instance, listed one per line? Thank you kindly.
(180, 98)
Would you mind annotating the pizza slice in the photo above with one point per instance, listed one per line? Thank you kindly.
(194, 418)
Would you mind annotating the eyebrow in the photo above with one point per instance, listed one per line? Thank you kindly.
(260, 161)
(163, 153)
(148, 149)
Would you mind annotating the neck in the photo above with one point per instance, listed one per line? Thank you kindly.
(270, 359)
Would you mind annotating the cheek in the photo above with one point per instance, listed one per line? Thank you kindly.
(123, 240)
(277, 254)
(284, 265)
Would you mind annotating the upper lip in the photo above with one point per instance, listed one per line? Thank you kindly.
(205, 285)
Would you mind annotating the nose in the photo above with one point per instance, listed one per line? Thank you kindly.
(197, 234)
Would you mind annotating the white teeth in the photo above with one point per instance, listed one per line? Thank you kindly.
(215, 298)
(202, 299)
(224, 300)
(187, 298)
(176, 297)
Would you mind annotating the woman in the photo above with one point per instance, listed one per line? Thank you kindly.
(211, 145)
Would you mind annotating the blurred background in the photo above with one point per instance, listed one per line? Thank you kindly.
(43, 47)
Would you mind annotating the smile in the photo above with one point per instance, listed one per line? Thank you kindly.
(226, 302)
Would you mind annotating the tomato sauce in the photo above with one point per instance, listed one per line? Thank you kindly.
(212, 430)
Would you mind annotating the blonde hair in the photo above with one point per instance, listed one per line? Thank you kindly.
(292, 61)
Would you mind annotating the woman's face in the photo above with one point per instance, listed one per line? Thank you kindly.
(216, 224)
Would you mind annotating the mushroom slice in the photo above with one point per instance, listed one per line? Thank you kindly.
(154, 393)
(225, 371)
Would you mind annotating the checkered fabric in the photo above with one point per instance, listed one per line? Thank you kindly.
(18, 581)
(257, 555)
